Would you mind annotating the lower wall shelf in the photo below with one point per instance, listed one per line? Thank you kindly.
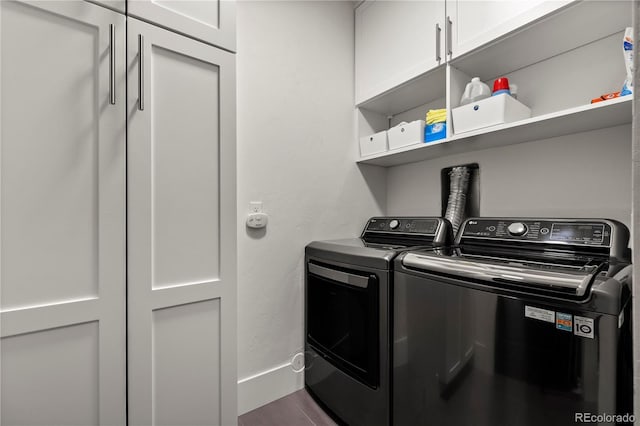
(584, 118)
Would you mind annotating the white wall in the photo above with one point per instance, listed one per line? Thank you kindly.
(296, 152)
(579, 175)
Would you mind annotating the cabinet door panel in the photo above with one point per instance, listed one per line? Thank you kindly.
(395, 42)
(62, 167)
(211, 21)
(182, 392)
(181, 210)
(185, 145)
(34, 365)
(478, 22)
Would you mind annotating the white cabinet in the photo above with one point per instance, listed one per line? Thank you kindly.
(211, 21)
(117, 5)
(395, 42)
(527, 42)
(65, 116)
(474, 23)
(62, 193)
(181, 230)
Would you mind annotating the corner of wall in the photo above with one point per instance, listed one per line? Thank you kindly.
(267, 386)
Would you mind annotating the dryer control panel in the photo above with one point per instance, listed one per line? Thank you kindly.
(408, 225)
(409, 231)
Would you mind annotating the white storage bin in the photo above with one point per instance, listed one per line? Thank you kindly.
(487, 112)
(406, 134)
(373, 144)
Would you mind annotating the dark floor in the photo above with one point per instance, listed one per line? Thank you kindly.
(297, 409)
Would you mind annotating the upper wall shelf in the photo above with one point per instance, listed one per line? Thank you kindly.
(418, 91)
(573, 120)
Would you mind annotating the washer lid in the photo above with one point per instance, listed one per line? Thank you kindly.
(558, 279)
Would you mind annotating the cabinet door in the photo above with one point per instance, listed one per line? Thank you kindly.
(395, 42)
(474, 23)
(62, 196)
(181, 230)
(211, 21)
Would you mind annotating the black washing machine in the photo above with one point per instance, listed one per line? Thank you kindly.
(348, 292)
(526, 322)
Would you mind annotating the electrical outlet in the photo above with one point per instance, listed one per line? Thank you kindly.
(255, 207)
(257, 220)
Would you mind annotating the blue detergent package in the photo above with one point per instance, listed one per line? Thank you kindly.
(435, 131)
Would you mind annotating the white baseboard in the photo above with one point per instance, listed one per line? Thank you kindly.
(264, 387)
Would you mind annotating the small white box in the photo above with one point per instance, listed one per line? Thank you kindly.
(487, 112)
(373, 144)
(406, 134)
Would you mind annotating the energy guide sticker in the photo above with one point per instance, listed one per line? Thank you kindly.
(564, 321)
(540, 314)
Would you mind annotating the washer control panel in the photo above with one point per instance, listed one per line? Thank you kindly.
(583, 232)
(404, 225)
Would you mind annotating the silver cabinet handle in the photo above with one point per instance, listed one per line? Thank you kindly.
(342, 277)
(112, 65)
(449, 36)
(438, 30)
(140, 72)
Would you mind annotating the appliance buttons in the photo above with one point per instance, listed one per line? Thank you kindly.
(394, 224)
(517, 229)
(544, 231)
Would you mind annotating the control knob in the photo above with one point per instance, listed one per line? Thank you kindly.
(517, 229)
(394, 224)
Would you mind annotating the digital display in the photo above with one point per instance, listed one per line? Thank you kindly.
(424, 226)
(575, 232)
